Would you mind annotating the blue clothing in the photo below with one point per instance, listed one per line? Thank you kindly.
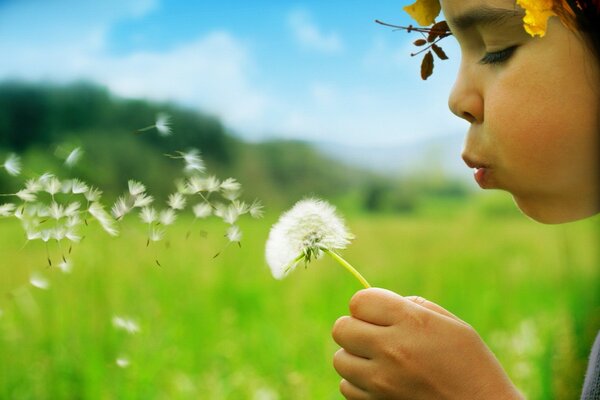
(591, 386)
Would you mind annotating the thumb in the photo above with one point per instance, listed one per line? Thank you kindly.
(434, 307)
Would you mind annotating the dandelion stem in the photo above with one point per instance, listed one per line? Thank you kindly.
(347, 265)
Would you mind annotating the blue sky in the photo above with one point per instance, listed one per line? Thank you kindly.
(313, 70)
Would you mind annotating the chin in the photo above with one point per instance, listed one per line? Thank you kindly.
(560, 213)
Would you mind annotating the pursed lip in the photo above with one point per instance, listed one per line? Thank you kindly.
(481, 171)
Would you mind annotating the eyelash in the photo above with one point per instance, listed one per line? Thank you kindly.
(498, 57)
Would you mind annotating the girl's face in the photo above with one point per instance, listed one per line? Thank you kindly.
(533, 105)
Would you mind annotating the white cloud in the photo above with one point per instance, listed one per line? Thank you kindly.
(308, 34)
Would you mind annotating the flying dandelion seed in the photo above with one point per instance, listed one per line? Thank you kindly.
(234, 234)
(122, 362)
(7, 210)
(148, 215)
(162, 125)
(167, 217)
(176, 201)
(202, 210)
(303, 233)
(125, 324)
(135, 188)
(65, 266)
(38, 281)
(12, 165)
(73, 157)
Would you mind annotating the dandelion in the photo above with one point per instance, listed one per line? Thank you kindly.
(126, 324)
(176, 201)
(230, 184)
(78, 187)
(12, 165)
(212, 184)
(304, 233)
(93, 194)
(156, 235)
(121, 208)
(193, 161)
(256, 209)
(7, 210)
(65, 266)
(38, 281)
(162, 125)
(52, 185)
(73, 157)
(142, 200)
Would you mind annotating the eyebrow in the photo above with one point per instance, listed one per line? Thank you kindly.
(485, 16)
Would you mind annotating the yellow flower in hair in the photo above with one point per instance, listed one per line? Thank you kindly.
(536, 17)
(424, 11)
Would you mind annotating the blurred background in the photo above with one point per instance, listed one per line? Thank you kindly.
(292, 99)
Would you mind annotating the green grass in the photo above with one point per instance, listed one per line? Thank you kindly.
(223, 328)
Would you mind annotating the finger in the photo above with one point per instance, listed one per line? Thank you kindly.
(355, 336)
(355, 370)
(377, 306)
(433, 307)
(351, 392)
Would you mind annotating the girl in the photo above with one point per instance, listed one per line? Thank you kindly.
(533, 107)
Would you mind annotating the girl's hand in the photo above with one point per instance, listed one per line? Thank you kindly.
(396, 347)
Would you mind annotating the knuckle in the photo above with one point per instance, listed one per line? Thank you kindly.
(339, 328)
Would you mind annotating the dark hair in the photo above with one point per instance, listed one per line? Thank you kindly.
(583, 15)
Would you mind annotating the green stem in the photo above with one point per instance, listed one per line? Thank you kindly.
(349, 267)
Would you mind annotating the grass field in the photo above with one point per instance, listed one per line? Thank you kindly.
(223, 328)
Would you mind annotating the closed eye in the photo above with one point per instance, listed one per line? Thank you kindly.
(498, 57)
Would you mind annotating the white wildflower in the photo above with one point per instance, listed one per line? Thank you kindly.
(12, 165)
(167, 217)
(73, 157)
(163, 124)
(26, 195)
(202, 210)
(176, 201)
(256, 209)
(148, 215)
(234, 234)
(39, 281)
(7, 210)
(103, 217)
(135, 187)
(52, 185)
(303, 233)
(122, 362)
(126, 324)
(142, 200)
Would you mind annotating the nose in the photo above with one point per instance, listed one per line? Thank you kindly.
(465, 100)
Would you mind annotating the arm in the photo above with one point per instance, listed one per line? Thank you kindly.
(396, 347)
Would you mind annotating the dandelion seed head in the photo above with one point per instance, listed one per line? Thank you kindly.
(7, 210)
(163, 124)
(72, 209)
(308, 227)
(202, 210)
(121, 207)
(38, 281)
(12, 165)
(93, 194)
(73, 157)
(176, 201)
(56, 210)
(126, 324)
(52, 185)
(78, 187)
(256, 209)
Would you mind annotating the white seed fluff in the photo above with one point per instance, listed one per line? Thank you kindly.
(310, 225)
